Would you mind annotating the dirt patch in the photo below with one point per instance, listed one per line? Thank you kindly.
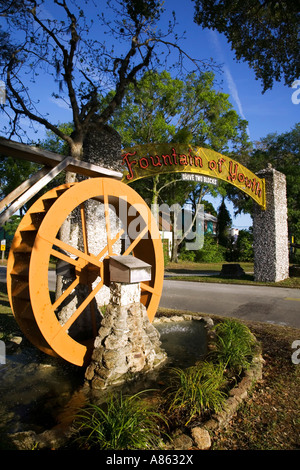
(270, 418)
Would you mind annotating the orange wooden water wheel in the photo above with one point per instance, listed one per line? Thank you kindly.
(37, 244)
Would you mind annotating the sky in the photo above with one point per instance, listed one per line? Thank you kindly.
(276, 110)
(273, 111)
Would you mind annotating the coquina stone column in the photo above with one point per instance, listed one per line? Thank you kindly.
(127, 342)
(102, 146)
(270, 230)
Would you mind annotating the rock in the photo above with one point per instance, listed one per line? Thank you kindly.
(182, 442)
(127, 343)
(232, 271)
(25, 440)
(202, 438)
(16, 339)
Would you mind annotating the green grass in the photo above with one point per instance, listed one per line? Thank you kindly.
(194, 266)
(195, 270)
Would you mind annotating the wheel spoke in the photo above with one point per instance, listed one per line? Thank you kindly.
(107, 224)
(70, 249)
(80, 309)
(118, 236)
(147, 288)
(62, 256)
(84, 228)
(113, 241)
(65, 294)
(136, 241)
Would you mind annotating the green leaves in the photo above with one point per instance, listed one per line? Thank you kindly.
(197, 389)
(264, 34)
(160, 108)
(123, 423)
(235, 345)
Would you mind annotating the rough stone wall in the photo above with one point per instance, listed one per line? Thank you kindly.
(126, 343)
(102, 146)
(270, 230)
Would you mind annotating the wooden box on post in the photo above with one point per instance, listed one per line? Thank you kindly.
(128, 269)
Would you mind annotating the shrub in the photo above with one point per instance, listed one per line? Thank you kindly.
(234, 345)
(211, 251)
(187, 255)
(124, 423)
(197, 389)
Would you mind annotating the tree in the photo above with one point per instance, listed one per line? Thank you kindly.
(244, 246)
(223, 224)
(159, 108)
(282, 151)
(12, 174)
(263, 33)
(72, 51)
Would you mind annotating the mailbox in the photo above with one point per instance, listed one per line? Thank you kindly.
(128, 269)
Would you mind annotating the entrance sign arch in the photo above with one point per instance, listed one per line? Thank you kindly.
(149, 160)
(267, 189)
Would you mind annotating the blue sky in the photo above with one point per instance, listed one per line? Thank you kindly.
(266, 113)
(273, 111)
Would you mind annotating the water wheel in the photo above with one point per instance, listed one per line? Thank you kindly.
(37, 244)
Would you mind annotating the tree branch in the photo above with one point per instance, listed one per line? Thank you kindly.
(67, 57)
(24, 109)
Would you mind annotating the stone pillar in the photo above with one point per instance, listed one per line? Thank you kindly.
(270, 230)
(127, 342)
(102, 146)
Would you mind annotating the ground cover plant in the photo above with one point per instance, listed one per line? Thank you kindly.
(123, 422)
(270, 418)
(234, 345)
(196, 391)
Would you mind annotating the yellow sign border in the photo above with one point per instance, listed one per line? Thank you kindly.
(143, 161)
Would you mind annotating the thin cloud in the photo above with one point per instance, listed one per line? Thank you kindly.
(60, 103)
(228, 76)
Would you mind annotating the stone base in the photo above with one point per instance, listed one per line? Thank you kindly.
(127, 343)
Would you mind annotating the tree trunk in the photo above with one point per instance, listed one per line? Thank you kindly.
(76, 150)
(174, 256)
(101, 146)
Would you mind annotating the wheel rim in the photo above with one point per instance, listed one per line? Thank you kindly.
(40, 322)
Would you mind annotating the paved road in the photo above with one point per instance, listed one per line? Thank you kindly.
(278, 305)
